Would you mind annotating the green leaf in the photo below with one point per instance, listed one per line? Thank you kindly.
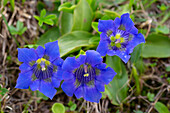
(51, 16)
(73, 40)
(67, 7)
(49, 22)
(66, 22)
(95, 26)
(94, 40)
(83, 16)
(37, 17)
(73, 107)
(5, 2)
(117, 88)
(168, 69)
(157, 46)
(112, 14)
(136, 53)
(43, 13)
(51, 35)
(150, 96)
(162, 29)
(19, 25)
(161, 108)
(12, 2)
(13, 30)
(58, 108)
(22, 31)
(41, 95)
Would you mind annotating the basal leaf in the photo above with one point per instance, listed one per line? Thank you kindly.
(117, 88)
(67, 7)
(161, 108)
(51, 35)
(157, 46)
(83, 16)
(73, 40)
(66, 22)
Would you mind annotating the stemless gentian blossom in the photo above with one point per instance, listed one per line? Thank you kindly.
(118, 37)
(41, 69)
(86, 76)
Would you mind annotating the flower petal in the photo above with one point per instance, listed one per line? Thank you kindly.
(27, 55)
(69, 87)
(52, 50)
(58, 74)
(100, 86)
(101, 66)
(106, 75)
(103, 48)
(24, 67)
(40, 51)
(58, 62)
(35, 85)
(105, 25)
(70, 64)
(81, 59)
(67, 75)
(133, 30)
(79, 92)
(24, 80)
(126, 21)
(93, 57)
(116, 22)
(47, 89)
(124, 55)
(92, 94)
(55, 82)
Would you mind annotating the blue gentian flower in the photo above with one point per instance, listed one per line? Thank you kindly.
(86, 76)
(41, 69)
(118, 37)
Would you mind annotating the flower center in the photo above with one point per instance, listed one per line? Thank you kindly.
(117, 40)
(43, 69)
(85, 74)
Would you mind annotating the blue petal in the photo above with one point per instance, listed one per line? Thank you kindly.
(126, 21)
(27, 55)
(133, 30)
(35, 85)
(81, 59)
(103, 48)
(103, 36)
(100, 86)
(92, 94)
(124, 55)
(24, 80)
(70, 64)
(93, 57)
(116, 22)
(24, 67)
(106, 75)
(69, 87)
(79, 92)
(105, 25)
(67, 75)
(47, 89)
(55, 82)
(137, 39)
(40, 51)
(58, 74)
(58, 61)
(101, 66)
(52, 50)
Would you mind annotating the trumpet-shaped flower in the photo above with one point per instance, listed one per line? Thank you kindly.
(41, 69)
(118, 37)
(86, 76)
